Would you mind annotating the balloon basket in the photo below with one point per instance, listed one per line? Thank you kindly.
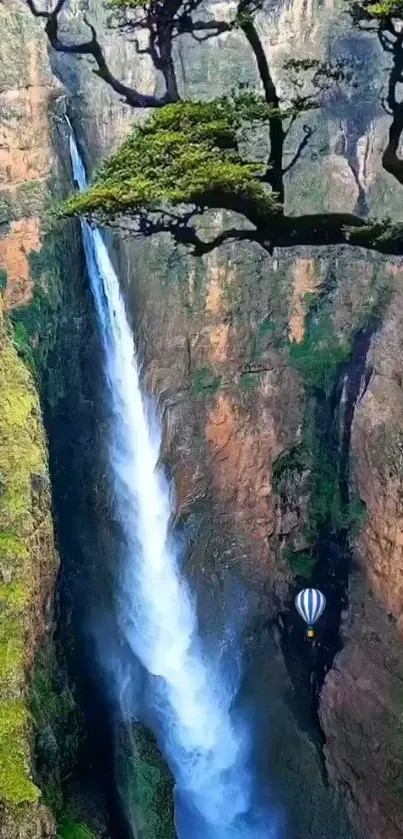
(310, 633)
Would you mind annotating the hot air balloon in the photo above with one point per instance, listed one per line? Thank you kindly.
(310, 604)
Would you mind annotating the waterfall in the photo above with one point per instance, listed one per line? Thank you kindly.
(206, 748)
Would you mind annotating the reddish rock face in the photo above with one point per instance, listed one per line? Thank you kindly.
(26, 86)
(361, 714)
(362, 699)
(26, 154)
(377, 451)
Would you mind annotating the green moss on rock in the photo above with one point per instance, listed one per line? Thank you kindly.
(319, 355)
(25, 201)
(204, 381)
(301, 563)
(22, 457)
(71, 829)
(250, 381)
(42, 315)
(3, 279)
(145, 784)
(57, 724)
(16, 785)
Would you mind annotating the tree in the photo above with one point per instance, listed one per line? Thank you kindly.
(386, 20)
(187, 158)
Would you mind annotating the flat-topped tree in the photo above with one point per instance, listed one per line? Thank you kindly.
(189, 157)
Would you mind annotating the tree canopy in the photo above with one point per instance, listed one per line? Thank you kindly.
(189, 157)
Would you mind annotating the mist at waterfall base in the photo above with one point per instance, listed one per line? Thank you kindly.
(190, 700)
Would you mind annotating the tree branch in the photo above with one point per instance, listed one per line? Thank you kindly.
(93, 49)
(274, 169)
(386, 22)
(188, 236)
(324, 229)
(390, 159)
(277, 232)
(304, 142)
(181, 230)
(214, 27)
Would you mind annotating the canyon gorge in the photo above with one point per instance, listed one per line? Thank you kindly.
(276, 384)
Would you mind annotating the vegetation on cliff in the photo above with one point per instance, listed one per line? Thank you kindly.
(25, 531)
(208, 167)
(40, 316)
(145, 782)
(57, 725)
(72, 829)
(56, 734)
(187, 153)
(320, 463)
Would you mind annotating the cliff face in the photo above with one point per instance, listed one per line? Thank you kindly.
(26, 156)
(361, 703)
(28, 560)
(261, 391)
(377, 441)
(27, 570)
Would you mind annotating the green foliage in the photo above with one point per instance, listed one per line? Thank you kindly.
(146, 780)
(301, 563)
(385, 236)
(368, 10)
(377, 300)
(134, 4)
(22, 455)
(27, 200)
(204, 381)
(3, 279)
(57, 724)
(30, 198)
(186, 153)
(15, 783)
(22, 341)
(295, 460)
(268, 331)
(39, 316)
(7, 212)
(319, 355)
(327, 510)
(387, 8)
(315, 461)
(71, 829)
(250, 381)
(313, 467)
(146, 786)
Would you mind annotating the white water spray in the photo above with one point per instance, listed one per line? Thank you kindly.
(207, 753)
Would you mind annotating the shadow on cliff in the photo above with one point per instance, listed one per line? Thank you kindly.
(308, 662)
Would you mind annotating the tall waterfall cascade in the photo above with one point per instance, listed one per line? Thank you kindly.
(202, 740)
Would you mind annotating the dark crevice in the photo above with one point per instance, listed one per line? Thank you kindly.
(74, 425)
(308, 662)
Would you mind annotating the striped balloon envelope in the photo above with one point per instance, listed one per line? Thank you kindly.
(310, 604)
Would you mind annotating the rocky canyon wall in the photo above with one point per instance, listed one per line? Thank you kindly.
(28, 560)
(42, 349)
(239, 402)
(270, 403)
